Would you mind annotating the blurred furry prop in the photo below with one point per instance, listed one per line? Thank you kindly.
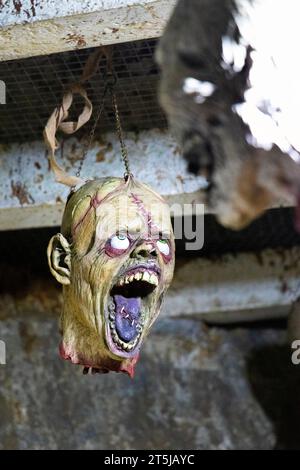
(200, 90)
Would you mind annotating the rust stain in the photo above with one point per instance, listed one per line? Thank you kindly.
(79, 39)
(20, 191)
(17, 6)
(100, 156)
(59, 200)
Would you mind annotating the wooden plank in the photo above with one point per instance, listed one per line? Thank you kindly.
(235, 288)
(132, 21)
(29, 196)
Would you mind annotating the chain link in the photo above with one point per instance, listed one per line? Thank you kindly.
(119, 131)
(88, 143)
(110, 81)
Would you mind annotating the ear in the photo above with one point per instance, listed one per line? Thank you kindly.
(59, 258)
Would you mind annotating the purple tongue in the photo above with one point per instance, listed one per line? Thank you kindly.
(128, 311)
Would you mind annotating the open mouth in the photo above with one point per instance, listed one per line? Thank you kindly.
(129, 305)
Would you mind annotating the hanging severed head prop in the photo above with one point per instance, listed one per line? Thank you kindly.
(115, 259)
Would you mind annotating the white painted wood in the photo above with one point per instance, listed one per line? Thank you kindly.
(243, 287)
(154, 159)
(29, 11)
(113, 21)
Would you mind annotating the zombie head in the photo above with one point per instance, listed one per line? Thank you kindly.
(115, 259)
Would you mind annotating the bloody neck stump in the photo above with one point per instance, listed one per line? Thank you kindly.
(115, 259)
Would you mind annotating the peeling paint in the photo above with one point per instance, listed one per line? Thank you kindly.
(150, 153)
(83, 29)
(77, 38)
(17, 5)
(18, 11)
(20, 191)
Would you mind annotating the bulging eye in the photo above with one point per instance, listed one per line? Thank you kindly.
(120, 242)
(163, 246)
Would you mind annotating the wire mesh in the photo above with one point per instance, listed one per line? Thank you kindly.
(35, 86)
(275, 229)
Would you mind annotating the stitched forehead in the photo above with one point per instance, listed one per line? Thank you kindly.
(135, 211)
(85, 200)
(116, 203)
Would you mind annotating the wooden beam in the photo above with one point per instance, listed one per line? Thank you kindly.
(235, 288)
(121, 21)
(29, 196)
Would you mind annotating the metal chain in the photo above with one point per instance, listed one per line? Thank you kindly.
(110, 81)
(88, 143)
(119, 132)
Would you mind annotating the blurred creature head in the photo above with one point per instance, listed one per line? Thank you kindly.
(115, 259)
(215, 94)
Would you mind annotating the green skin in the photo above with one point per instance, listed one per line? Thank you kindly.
(90, 256)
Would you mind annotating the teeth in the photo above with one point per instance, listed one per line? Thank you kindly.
(112, 324)
(153, 279)
(146, 276)
(121, 344)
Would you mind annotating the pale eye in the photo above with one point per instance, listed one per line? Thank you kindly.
(163, 246)
(120, 242)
